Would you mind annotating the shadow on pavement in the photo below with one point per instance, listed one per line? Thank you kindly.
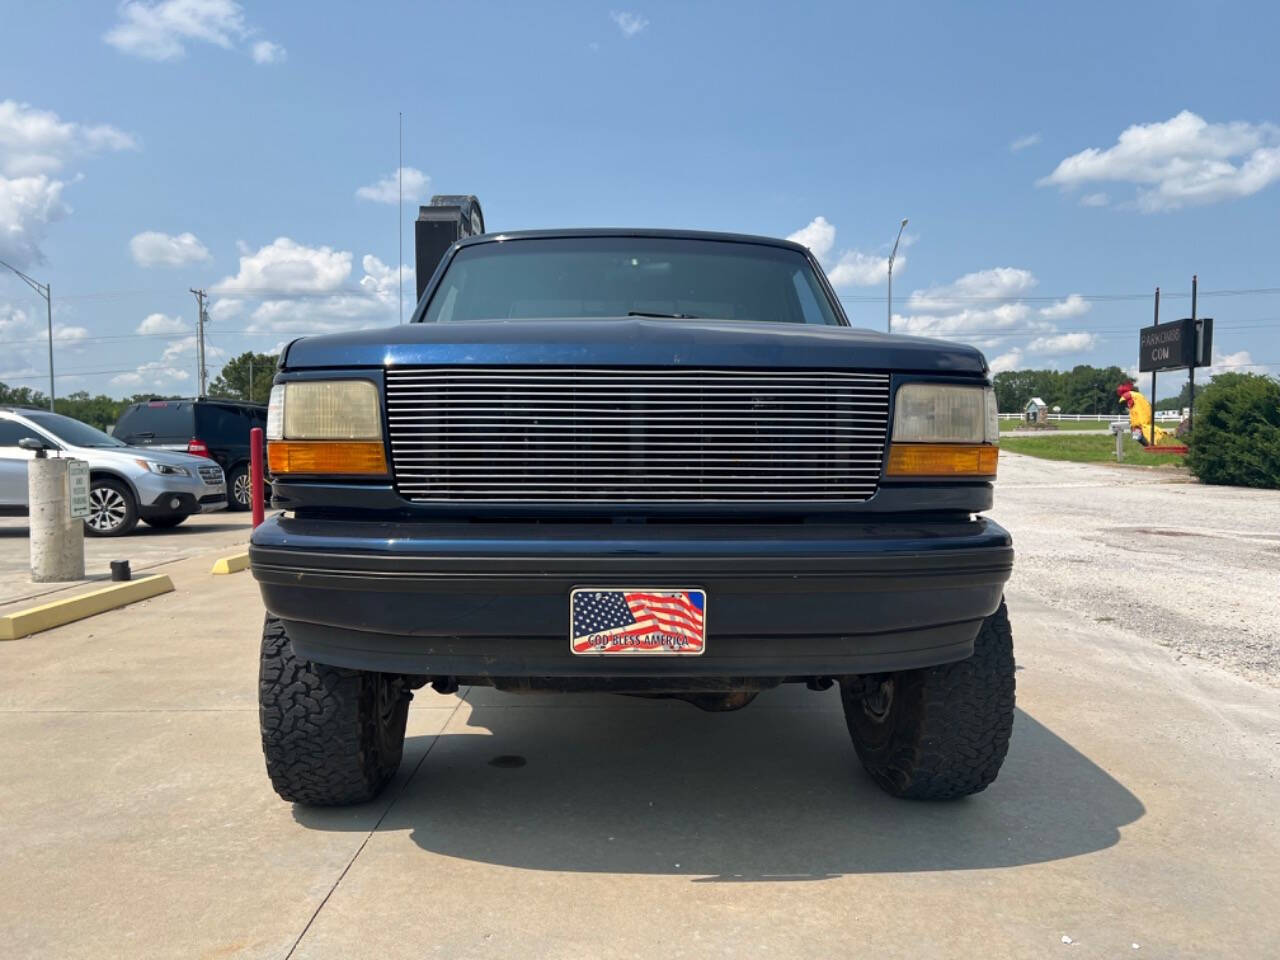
(773, 793)
(183, 530)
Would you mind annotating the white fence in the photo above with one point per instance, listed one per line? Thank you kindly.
(1096, 417)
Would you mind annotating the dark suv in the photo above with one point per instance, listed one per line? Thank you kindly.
(217, 429)
(648, 462)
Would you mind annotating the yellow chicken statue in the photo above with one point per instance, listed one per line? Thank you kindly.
(1140, 417)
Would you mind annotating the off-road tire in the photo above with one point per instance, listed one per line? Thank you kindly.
(944, 731)
(331, 736)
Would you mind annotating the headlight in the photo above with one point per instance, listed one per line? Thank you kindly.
(163, 469)
(944, 430)
(325, 427)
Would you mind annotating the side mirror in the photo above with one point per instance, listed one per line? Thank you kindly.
(40, 447)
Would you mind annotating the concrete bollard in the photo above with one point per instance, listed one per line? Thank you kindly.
(57, 538)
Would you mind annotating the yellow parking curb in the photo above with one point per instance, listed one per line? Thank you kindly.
(232, 564)
(69, 609)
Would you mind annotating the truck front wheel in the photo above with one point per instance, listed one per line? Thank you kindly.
(940, 732)
(331, 736)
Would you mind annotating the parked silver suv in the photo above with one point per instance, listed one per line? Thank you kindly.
(127, 484)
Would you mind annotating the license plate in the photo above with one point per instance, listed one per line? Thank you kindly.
(648, 621)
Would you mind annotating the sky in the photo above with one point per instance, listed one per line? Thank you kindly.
(1057, 163)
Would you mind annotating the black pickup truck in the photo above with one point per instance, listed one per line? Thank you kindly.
(642, 461)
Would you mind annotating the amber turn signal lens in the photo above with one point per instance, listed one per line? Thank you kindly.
(942, 460)
(340, 457)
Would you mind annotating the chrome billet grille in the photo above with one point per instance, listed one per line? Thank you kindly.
(210, 474)
(635, 435)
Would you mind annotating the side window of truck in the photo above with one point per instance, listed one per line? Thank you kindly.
(809, 308)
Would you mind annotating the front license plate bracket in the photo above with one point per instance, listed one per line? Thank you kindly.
(638, 621)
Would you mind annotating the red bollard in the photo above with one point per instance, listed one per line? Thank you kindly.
(255, 473)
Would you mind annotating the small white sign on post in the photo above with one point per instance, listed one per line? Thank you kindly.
(78, 488)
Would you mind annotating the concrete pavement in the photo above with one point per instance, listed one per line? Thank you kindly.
(1138, 806)
(146, 548)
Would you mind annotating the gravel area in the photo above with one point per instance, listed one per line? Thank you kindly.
(1192, 567)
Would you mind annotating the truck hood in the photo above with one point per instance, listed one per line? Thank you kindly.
(634, 342)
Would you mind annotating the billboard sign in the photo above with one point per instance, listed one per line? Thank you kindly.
(1176, 346)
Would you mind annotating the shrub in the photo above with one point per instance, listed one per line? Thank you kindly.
(1236, 437)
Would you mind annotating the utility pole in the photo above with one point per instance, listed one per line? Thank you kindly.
(45, 290)
(888, 327)
(1191, 400)
(1153, 375)
(250, 397)
(200, 370)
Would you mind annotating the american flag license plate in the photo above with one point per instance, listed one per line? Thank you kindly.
(652, 621)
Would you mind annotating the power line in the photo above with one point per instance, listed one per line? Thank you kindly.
(1049, 298)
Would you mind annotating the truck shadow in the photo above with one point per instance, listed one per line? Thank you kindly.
(772, 793)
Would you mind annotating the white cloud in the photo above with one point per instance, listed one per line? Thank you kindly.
(264, 51)
(988, 323)
(1074, 306)
(373, 303)
(34, 145)
(387, 190)
(175, 366)
(1239, 362)
(998, 283)
(987, 309)
(1006, 361)
(818, 235)
(156, 375)
(1095, 200)
(1063, 343)
(27, 206)
(629, 23)
(26, 336)
(1030, 140)
(857, 269)
(161, 323)
(288, 287)
(851, 268)
(34, 141)
(285, 266)
(65, 334)
(1181, 161)
(153, 249)
(161, 29)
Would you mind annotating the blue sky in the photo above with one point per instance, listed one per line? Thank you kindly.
(1039, 150)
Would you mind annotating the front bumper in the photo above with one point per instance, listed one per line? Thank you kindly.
(491, 600)
(169, 496)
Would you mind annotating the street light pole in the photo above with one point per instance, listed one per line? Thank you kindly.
(45, 290)
(889, 321)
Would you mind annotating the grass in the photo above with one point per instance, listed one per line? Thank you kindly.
(1011, 424)
(1082, 449)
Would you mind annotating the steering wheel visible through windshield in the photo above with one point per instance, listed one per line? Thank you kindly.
(594, 277)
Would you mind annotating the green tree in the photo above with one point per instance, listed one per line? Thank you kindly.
(1183, 399)
(1236, 439)
(246, 377)
(22, 397)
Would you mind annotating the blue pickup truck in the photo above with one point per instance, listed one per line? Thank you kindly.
(642, 461)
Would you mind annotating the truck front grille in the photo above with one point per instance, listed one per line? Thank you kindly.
(635, 435)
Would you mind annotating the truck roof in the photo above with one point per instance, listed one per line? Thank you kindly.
(572, 232)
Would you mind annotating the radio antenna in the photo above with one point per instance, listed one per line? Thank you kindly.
(400, 222)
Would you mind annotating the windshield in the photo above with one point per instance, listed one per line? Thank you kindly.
(72, 432)
(576, 277)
